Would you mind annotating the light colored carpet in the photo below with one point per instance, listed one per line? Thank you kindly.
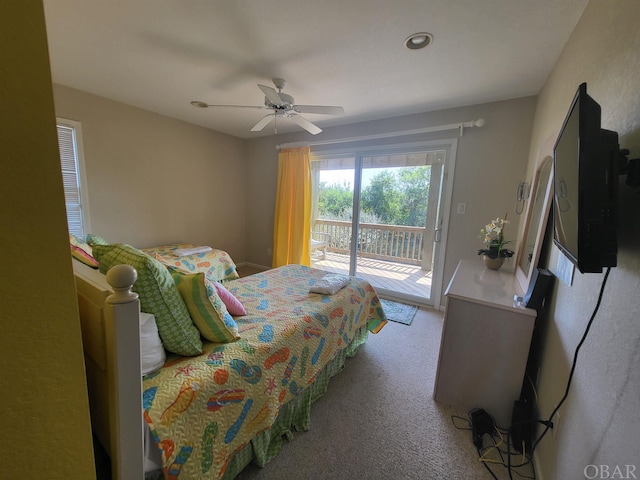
(378, 419)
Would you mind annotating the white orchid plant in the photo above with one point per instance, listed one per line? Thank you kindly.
(493, 238)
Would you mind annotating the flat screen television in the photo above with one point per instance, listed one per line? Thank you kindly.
(585, 161)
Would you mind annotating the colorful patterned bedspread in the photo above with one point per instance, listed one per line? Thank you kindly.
(215, 264)
(203, 409)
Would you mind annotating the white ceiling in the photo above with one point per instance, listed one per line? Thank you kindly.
(161, 54)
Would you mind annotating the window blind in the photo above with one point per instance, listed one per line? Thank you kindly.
(71, 179)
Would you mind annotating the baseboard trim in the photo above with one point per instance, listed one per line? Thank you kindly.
(253, 265)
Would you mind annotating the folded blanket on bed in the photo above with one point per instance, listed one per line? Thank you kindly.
(330, 284)
(183, 252)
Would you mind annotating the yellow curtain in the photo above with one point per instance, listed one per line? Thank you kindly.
(292, 223)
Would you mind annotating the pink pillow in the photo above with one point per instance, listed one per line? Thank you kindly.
(79, 254)
(234, 307)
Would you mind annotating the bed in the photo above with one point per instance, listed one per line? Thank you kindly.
(211, 413)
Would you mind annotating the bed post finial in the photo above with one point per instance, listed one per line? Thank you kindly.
(121, 278)
(122, 334)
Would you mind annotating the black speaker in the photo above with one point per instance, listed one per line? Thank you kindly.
(538, 288)
(522, 426)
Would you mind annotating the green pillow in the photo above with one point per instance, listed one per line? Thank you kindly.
(158, 296)
(206, 308)
(96, 240)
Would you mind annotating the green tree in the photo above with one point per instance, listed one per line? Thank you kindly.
(392, 198)
(334, 200)
(414, 191)
(382, 197)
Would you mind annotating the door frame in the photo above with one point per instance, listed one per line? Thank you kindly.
(450, 145)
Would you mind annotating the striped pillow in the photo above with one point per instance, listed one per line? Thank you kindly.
(86, 258)
(158, 296)
(207, 311)
(81, 250)
(80, 243)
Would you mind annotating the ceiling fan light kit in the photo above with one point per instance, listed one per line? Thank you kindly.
(283, 106)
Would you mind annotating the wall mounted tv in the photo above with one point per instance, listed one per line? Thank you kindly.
(585, 159)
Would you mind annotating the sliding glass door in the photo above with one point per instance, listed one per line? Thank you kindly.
(380, 213)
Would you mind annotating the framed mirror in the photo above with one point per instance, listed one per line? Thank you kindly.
(535, 221)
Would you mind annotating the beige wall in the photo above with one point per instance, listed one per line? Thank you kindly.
(44, 410)
(490, 161)
(599, 422)
(154, 180)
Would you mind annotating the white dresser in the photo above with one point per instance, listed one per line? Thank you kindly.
(485, 342)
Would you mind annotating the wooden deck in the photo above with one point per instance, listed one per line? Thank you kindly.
(396, 277)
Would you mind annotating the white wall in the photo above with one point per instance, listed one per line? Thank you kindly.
(490, 162)
(599, 423)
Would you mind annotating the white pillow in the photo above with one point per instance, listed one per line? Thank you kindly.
(152, 355)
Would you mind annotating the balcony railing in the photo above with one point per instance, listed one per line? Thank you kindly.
(399, 243)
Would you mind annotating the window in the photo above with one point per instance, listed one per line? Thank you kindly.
(73, 178)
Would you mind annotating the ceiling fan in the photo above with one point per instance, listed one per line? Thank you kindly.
(282, 106)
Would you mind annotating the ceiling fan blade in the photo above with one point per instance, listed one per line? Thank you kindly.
(321, 109)
(263, 123)
(199, 104)
(271, 95)
(304, 123)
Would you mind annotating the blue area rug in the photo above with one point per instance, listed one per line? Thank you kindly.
(399, 312)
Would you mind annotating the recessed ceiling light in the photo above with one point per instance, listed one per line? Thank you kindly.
(418, 40)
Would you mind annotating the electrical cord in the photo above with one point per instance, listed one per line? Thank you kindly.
(549, 422)
(526, 460)
(513, 469)
(496, 434)
(486, 465)
(458, 417)
(499, 440)
(496, 447)
(533, 387)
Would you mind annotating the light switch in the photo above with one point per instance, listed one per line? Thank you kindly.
(462, 208)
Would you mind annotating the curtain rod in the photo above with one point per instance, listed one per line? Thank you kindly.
(437, 128)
